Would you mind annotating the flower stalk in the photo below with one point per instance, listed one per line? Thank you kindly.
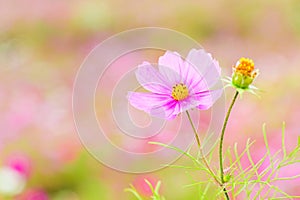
(201, 152)
(221, 142)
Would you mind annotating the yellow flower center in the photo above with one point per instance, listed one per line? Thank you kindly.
(245, 66)
(180, 91)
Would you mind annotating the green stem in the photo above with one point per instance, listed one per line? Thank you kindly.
(201, 152)
(221, 143)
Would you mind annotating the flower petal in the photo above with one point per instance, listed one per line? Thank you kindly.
(183, 105)
(207, 98)
(157, 105)
(208, 68)
(152, 80)
(165, 111)
(171, 66)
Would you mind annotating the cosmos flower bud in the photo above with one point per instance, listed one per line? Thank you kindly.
(244, 73)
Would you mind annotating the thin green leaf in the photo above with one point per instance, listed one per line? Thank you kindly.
(197, 183)
(286, 178)
(156, 190)
(283, 140)
(184, 167)
(202, 197)
(183, 152)
(133, 191)
(150, 186)
(251, 160)
(267, 144)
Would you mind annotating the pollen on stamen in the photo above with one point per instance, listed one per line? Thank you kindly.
(180, 91)
(245, 66)
(244, 73)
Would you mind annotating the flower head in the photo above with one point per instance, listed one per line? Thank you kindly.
(178, 85)
(243, 73)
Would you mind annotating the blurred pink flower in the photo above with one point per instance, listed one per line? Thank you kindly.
(178, 85)
(20, 163)
(33, 194)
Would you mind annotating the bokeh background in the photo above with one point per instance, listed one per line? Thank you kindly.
(44, 42)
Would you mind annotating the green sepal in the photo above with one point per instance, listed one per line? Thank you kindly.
(241, 81)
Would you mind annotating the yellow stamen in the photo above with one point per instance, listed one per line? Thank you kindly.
(245, 66)
(180, 91)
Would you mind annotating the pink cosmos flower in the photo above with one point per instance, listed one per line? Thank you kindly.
(178, 85)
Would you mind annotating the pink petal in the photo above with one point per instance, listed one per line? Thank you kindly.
(207, 98)
(171, 66)
(208, 68)
(185, 105)
(173, 61)
(165, 111)
(152, 80)
(157, 105)
(170, 74)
